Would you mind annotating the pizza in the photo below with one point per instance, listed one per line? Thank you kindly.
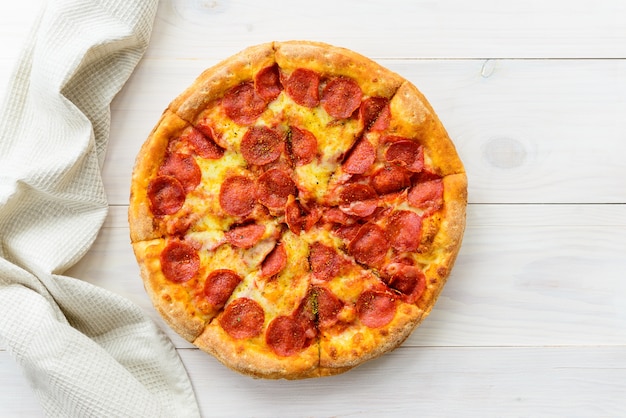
(297, 210)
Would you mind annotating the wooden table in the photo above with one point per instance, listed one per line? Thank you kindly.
(533, 319)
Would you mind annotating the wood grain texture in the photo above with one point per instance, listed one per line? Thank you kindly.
(532, 321)
(17, 399)
(411, 381)
(433, 382)
(398, 28)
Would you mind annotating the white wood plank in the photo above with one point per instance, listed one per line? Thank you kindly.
(534, 285)
(526, 275)
(547, 215)
(538, 131)
(430, 381)
(396, 28)
(433, 382)
(445, 29)
(16, 396)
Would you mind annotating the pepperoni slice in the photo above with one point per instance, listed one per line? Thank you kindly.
(427, 196)
(245, 236)
(424, 176)
(356, 192)
(337, 216)
(314, 215)
(341, 97)
(275, 261)
(219, 285)
(325, 262)
(275, 186)
(298, 218)
(328, 307)
(302, 146)
(408, 280)
(267, 83)
(295, 216)
(376, 309)
(184, 168)
(375, 114)
(370, 245)
(360, 209)
(406, 153)
(261, 145)
(360, 158)
(382, 121)
(179, 261)
(319, 309)
(243, 105)
(358, 200)
(303, 87)
(243, 318)
(390, 179)
(203, 142)
(286, 336)
(404, 230)
(166, 195)
(348, 232)
(238, 195)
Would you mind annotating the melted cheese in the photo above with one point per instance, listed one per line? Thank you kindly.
(281, 294)
(314, 178)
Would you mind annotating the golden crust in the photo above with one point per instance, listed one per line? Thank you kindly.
(374, 79)
(171, 302)
(215, 81)
(447, 242)
(147, 164)
(254, 358)
(345, 351)
(455, 204)
(415, 118)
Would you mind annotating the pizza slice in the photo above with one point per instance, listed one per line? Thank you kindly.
(263, 330)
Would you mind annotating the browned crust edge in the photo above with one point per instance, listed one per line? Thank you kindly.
(174, 313)
(394, 335)
(417, 119)
(375, 80)
(147, 163)
(213, 83)
(253, 358)
(448, 240)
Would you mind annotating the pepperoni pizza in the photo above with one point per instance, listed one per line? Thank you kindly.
(297, 210)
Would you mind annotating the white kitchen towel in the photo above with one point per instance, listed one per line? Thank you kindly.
(84, 350)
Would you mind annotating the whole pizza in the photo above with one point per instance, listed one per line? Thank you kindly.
(297, 210)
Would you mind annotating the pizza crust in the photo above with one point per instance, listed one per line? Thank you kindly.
(252, 357)
(171, 303)
(447, 243)
(364, 344)
(149, 158)
(374, 79)
(334, 350)
(214, 82)
(417, 119)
